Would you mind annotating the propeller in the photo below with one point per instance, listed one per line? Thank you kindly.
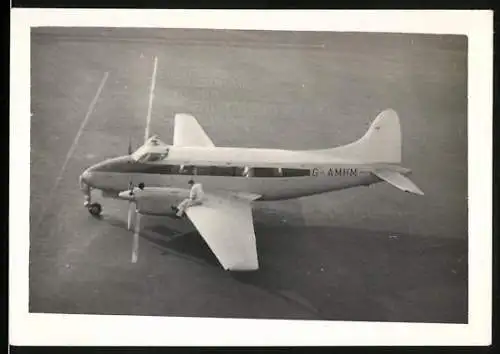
(133, 213)
(131, 204)
(132, 210)
(135, 240)
(130, 145)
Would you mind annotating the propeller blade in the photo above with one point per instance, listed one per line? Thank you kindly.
(135, 241)
(131, 210)
(130, 145)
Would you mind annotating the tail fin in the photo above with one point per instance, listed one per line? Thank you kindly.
(381, 143)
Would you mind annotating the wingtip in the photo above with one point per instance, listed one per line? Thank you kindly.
(242, 270)
(417, 191)
(183, 116)
(243, 267)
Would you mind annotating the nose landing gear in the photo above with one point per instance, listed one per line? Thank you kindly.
(94, 209)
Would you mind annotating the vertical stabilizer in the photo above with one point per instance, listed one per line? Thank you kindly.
(381, 143)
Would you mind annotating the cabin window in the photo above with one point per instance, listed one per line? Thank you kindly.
(222, 171)
(227, 171)
(295, 172)
(169, 169)
(159, 169)
(203, 170)
(266, 172)
(213, 171)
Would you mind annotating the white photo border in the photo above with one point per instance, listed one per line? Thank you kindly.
(96, 330)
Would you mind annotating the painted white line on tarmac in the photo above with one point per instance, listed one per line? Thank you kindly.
(151, 96)
(73, 146)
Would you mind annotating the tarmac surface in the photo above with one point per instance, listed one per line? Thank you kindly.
(369, 254)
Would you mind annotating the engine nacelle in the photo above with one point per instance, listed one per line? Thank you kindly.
(155, 200)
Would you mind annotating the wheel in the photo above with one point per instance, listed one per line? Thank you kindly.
(95, 209)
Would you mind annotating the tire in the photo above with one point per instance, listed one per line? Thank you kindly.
(95, 209)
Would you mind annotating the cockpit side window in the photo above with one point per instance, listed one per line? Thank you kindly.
(152, 157)
(151, 151)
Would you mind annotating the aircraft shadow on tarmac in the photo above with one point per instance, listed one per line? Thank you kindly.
(344, 273)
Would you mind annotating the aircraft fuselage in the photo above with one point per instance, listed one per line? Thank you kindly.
(272, 183)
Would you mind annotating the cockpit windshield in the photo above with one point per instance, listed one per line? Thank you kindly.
(152, 157)
(153, 150)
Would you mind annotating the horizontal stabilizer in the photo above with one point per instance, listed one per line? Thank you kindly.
(398, 181)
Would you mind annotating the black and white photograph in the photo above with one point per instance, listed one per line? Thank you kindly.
(249, 174)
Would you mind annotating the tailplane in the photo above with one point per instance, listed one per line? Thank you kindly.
(398, 180)
(381, 143)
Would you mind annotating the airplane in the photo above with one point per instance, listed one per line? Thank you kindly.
(234, 178)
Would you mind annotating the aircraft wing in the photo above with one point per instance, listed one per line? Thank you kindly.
(398, 181)
(188, 132)
(226, 225)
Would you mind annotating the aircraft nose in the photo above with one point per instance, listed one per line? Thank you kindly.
(85, 178)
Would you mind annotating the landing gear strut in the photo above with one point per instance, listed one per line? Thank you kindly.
(94, 209)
